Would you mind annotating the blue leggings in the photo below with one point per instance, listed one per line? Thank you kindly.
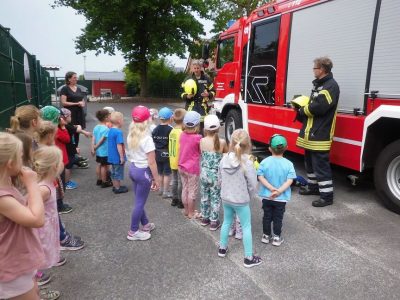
(244, 214)
(141, 178)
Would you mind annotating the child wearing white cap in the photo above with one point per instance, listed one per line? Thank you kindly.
(212, 147)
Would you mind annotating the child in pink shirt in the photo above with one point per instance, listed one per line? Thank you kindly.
(189, 161)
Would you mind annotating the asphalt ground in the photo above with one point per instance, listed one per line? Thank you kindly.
(350, 250)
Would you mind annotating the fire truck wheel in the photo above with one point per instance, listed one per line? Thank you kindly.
(387, 176)
(233, 121)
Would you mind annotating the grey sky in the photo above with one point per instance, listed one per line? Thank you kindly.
(49, 34)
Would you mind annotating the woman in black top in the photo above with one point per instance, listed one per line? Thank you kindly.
(72, 98)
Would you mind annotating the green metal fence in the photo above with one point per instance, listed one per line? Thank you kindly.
(22, 79)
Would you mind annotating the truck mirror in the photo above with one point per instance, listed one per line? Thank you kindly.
(205, 52)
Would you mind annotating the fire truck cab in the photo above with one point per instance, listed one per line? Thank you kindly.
(264, 60)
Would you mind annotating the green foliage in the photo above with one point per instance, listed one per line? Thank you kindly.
(143, 30)
(163, 80)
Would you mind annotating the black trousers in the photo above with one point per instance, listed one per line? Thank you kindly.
(319, 173)
(273, 213)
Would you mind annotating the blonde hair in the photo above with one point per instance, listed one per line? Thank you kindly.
(23, 117)
(137, 131)
(179, 114)
(45, 129)
(10, 149)
(216, 140)
(116, 116)
(26, 148)
(46, 160)
(194, 129)
(240, 143)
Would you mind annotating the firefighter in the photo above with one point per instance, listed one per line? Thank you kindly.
(199, 96)
(319, 117)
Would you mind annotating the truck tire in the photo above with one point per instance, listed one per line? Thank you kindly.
(233, 121)
(387, 176)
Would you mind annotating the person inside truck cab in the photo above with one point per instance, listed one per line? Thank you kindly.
(198, 97)
(318, 117)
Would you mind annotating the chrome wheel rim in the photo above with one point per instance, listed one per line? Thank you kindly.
(393, 177)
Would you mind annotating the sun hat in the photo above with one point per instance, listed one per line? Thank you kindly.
(211, 122)
(51, 113)
(191, 119)
(277, 141)
(165, 113)
(140, 114)
(65, 112)
(109, 108)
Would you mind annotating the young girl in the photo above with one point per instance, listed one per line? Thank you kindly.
(238, 186)
(142, 171)
(48, 164)
(21, 253)
(211, 147)
(189, 161)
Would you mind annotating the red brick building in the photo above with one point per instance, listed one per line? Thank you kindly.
(107, 84)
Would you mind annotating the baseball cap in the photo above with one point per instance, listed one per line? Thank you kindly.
(51, 113)
(165, 113)
(277, 141)
(140, 114)
(65, 112)
(191, 119)
(211, 122)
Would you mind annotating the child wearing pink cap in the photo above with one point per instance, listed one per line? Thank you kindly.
(142, 171)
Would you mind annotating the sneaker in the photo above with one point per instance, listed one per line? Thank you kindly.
(65, 209)
(174, 202)
(70, 185)
(277, 240)
(82, 165)
(138, 235)
(166, 195)
(214, 225)
(122, 189)
(106, 184)
(61, 262)
(180, 205)
(254, 261)
(42, 278)
(239, 235)
(265, 238)
(222, 252)
(99, 182)
(204, 222)
(76, 237)
(71, 243)
(81, 158)
(149, 227)
(46, 294)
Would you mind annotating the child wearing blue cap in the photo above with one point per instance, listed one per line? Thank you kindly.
(160, 136)
(276, 174)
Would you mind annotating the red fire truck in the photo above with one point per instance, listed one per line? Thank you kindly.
(265, 59)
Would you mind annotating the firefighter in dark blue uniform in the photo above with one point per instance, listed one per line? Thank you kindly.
(319, 118)
(205, 92)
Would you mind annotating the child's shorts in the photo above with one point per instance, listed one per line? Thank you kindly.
(102, 160)
(163, 168)
(17, 287)
(117, 172)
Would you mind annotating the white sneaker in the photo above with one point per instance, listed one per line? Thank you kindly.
(149, 227)
(265, 238)
(277, 240)
(138, 236)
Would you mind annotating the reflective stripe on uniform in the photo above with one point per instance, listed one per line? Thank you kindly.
(327, 182)
(307, 111)
(327, 95)
(326, 190)
(314, 145)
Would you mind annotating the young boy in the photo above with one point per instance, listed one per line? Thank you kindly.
(173, 150)
(116, 152)
(275, 174)
(100, 147)
(72, 150)
(160, 137)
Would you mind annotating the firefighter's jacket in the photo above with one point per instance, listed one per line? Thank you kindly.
(319, 115)
(199, 103)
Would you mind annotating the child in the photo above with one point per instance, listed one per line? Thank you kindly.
(275, 174)
(189, 161)
(48, 164)
(21, 253)
(238, 186)
(142, 171)
(211, 147)
(173, 151)
(116, 152)
(26, 119)
(110, 109)
(100, 147)
(160, 137)
(154, 118)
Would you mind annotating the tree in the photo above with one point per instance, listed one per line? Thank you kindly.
(143, 30)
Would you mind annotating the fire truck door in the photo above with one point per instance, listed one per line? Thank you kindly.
(226, 68)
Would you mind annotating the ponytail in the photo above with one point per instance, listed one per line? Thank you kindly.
(14, 125)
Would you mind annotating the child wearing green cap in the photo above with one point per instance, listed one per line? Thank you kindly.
(276, 175)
